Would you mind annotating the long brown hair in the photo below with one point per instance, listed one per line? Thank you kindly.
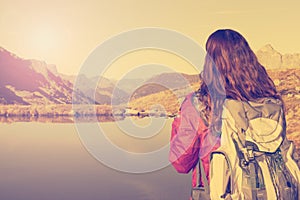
(231, 70)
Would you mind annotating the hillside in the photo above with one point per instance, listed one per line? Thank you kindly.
(166, 81)
(167, 100)
(288, 84)
(34, 82)
(272, 59)
(27, 82)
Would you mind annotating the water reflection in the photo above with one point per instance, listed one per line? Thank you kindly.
(48, 161)
(68, 118)
(60, 119)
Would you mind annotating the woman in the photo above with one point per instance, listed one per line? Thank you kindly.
(231, 72)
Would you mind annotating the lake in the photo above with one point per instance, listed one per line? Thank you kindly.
(52, 161)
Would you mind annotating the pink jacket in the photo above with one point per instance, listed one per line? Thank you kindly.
(188, 136)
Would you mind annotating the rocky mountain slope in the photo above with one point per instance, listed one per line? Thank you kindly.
(33, 82)
(272, 59)
(166, 81)
(30, 81)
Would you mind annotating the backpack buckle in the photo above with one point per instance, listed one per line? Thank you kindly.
(250, 153)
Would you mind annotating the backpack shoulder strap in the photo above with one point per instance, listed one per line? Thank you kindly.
(229, 185)
(201, 175)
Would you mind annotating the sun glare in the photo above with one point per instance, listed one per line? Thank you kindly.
(45, 39)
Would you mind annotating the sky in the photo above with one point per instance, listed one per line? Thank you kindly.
(64, 33)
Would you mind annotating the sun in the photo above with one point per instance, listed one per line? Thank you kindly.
(45, 38)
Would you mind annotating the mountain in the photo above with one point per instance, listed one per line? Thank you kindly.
(291, 61)
(106, 91)
(30, 81)
(165, 81)
(129, 84)
(33, 82)
(272, 59)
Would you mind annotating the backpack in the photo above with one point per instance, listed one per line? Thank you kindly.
(255, 161)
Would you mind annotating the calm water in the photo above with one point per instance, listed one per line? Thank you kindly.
(47, 161)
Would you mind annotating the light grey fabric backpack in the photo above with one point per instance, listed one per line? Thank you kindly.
(255, 160)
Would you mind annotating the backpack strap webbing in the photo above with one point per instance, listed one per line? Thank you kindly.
(229, 186)
(247, 154)
(201, 175)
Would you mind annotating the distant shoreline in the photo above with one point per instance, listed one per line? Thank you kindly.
(68, 113)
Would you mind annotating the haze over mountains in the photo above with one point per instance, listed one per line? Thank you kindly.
(30, 82)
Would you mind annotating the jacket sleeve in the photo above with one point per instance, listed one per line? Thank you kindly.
(184, 144)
